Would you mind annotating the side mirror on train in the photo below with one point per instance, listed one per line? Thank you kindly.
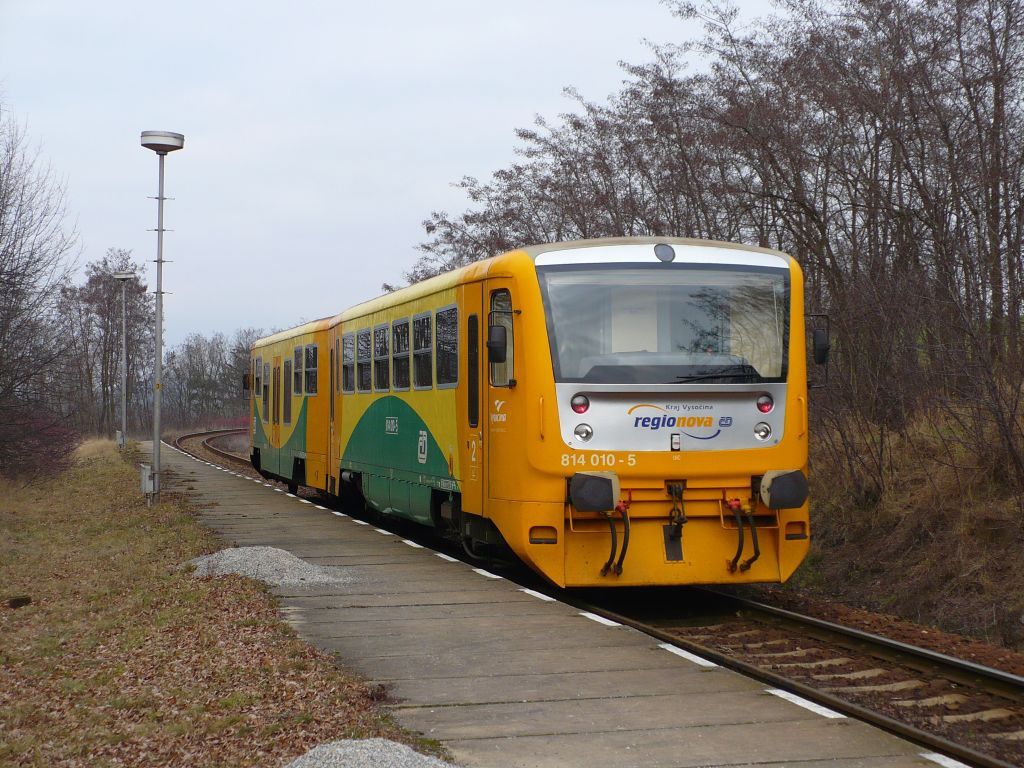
(820, 346)
(497, 344)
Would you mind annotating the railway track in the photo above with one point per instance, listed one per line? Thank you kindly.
(966, 711)
(197, 442)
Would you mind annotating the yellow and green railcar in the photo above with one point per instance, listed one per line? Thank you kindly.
(626, 411)
(288, 430)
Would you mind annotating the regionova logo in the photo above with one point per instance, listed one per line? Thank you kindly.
(655, 417)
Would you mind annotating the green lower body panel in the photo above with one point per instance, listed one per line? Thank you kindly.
(399, 461)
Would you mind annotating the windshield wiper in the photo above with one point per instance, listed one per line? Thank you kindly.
(730, 373)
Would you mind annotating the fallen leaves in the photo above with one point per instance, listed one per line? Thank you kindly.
(123, 659)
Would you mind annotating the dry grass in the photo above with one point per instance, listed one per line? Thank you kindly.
(123, 659)
(940, 546)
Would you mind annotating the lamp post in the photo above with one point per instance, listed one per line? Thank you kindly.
(123, 278)
(160, 142)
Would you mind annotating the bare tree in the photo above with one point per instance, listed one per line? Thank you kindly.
(36, 258)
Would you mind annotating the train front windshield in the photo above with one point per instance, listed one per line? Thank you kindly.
(667, 324)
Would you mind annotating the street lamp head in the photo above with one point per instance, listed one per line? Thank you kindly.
(124, 275)
(162, 142)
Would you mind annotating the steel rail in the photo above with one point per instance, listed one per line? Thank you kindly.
(828, 700)
(1014, 682)
(212, 434)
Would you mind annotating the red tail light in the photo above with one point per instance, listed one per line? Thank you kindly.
(765, 404)
(580, 403)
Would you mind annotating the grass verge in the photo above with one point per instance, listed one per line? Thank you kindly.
(122, 658)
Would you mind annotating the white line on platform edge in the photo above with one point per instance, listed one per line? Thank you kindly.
(449, 558)
(538, 595)
(687, 655)
(381, 530)
(809, 705)
(291, 496)
(305, 501)
(361, 522)
(412, 544)
(488, 574)
(943, 760)
(599, 619)
(339, 514)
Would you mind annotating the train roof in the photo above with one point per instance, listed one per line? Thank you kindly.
(311, 327)
(495, 265)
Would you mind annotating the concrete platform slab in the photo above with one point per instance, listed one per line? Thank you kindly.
(503, 678)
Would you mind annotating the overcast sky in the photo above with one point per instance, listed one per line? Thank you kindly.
(318, 135)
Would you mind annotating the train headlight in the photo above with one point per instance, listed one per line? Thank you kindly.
(765, 404)
(762, 431)
(584, 432)
(580, 403)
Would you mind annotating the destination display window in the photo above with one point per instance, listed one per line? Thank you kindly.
(446, 334)
(400, 354)
(311, 352)
(381, 362)
(422, 353)
(348, 363)
(363, 360)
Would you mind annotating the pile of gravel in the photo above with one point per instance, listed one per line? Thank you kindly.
(366, 753)
(276, 567)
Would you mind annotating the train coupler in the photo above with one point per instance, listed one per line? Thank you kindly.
(677, 514)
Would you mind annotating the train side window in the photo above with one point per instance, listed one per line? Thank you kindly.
(287, 391)
(311, 370)
(348, 363)
(258, 377)
(422, 353)
(400, 354)
(297, 368)
(337, 363)
(381, 361)
(503, 374)
(446, 333)
(364, 346)
(266, 391)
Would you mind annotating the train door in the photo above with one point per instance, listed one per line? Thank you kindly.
(504, 407)
(275, 398)
(472, 412)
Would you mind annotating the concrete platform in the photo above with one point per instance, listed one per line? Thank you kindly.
(506, 678)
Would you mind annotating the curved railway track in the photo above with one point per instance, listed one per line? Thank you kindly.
(966, 711)
(204, 441)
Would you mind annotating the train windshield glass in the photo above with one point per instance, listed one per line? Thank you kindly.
(667, 324)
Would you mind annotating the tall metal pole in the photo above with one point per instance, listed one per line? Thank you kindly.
(160, 142)
(124, 361)
(159, 365)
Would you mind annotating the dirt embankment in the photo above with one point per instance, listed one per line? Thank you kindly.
(940, 544)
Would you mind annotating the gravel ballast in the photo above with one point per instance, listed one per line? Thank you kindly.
(366, 753)
(276, 567)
